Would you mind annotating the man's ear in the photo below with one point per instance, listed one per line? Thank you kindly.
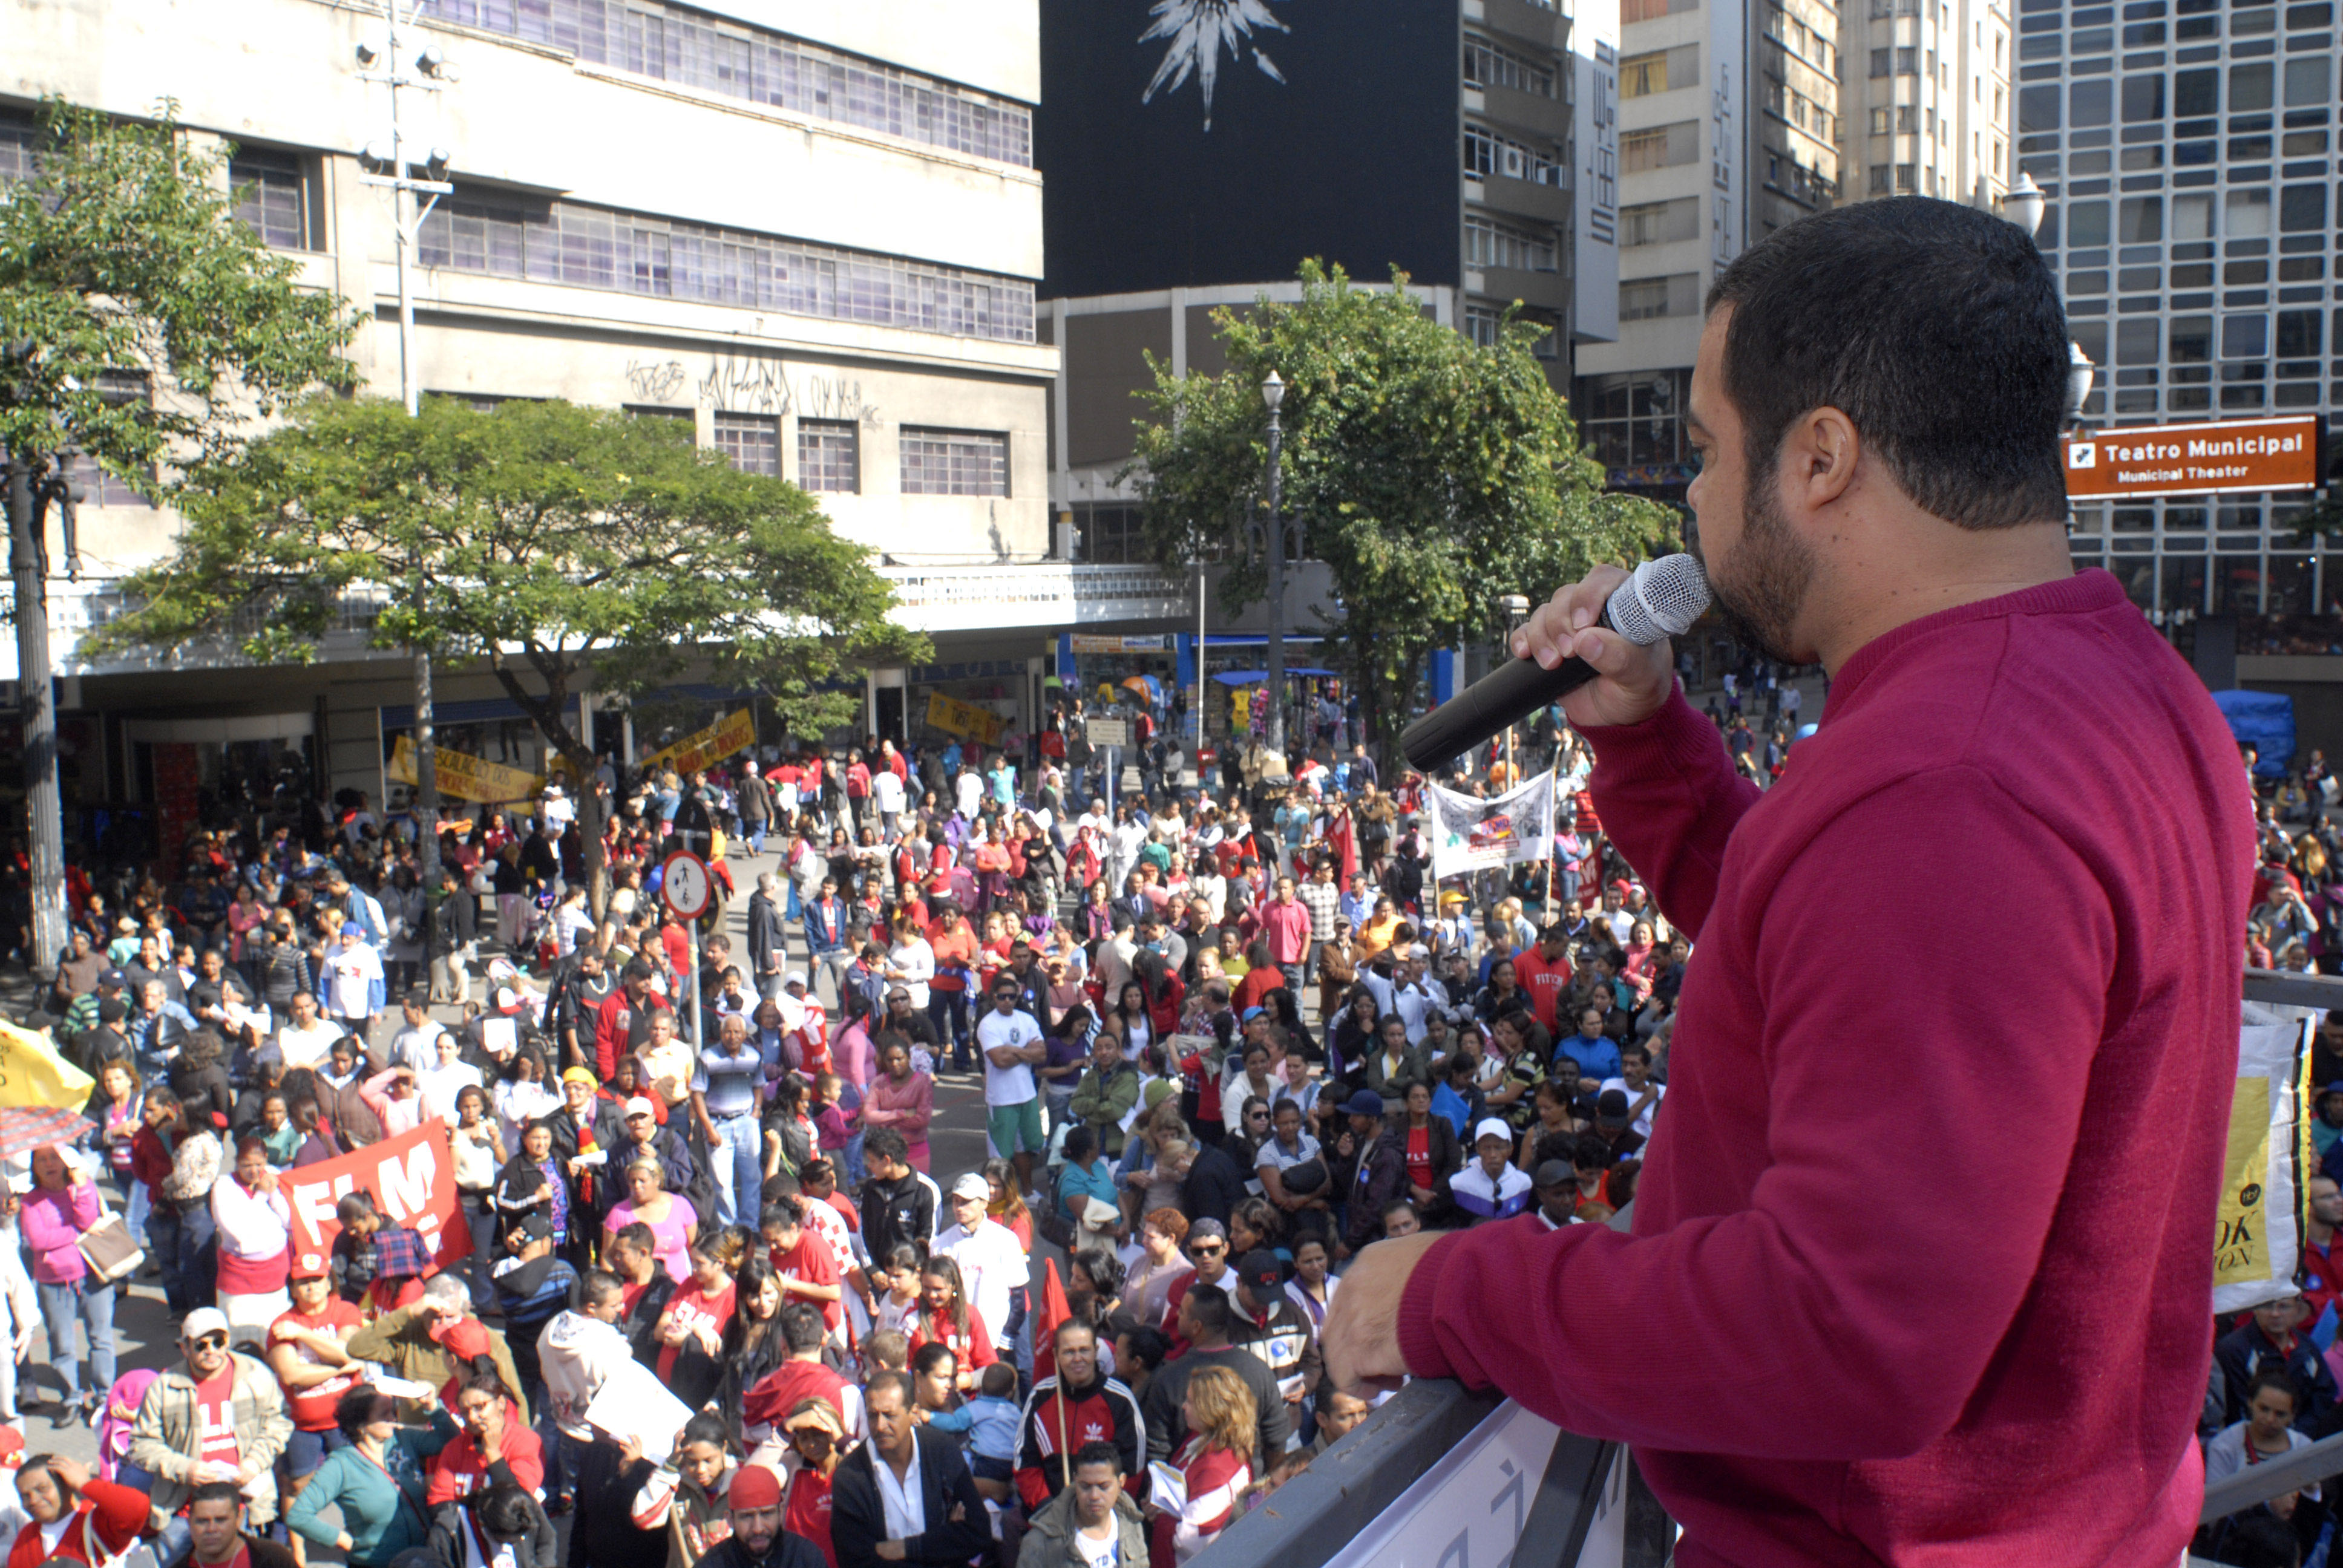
(1819, 455)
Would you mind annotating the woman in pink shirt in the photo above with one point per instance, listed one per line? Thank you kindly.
(901, 1098)
(63, 1204)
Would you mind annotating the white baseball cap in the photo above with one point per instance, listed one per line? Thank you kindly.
(203, 1321)
(638, 1106)
(1493, 1127)
(972, 1185)
(795, 976)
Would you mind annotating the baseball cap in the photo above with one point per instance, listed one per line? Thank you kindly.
(1259, 1270)
(535, 1225)
(1610, 1108)
(1493, 1127)
(112, 977)
(972, 1185)
(580, 1075)
(463, 1337)
(508, 1000)
(308, 1266)
(638, 1106)
(1554, 1173)
(754, 1486)
(1365, 1102)
(795, 976)
(203, 1321)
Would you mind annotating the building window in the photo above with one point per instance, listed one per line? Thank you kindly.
(1660, 147)
(1481, 326)
(1645, 298)
(595, 248)
(1881, 178)
(1488, 65)
(1878, 122)
(1907, 179)
(954, 463)
(102, 489)
(1636, 418)
(1653, 10)
(1108, 534)
(829, 457)
(1661, 71)
(1488, 242)
(1907, 62)
(1659, 221)
(1488, 155)
(752, 442)
(739, 61)
(272, 196)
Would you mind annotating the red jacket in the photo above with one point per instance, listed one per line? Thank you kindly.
(1928, 1293)
(114, 1513)
(1058, 1423)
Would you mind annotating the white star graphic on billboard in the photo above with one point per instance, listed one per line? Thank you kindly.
(1199, 30)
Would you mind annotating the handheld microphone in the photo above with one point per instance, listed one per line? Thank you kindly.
(1661, 601)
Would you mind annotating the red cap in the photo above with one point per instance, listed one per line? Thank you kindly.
(464, 1338)
(754, 1486)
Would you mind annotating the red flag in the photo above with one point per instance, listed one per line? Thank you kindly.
(412, 1178)
(1342, 839)
(1055, 1310)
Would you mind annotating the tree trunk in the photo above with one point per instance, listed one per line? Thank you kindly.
(546, 712)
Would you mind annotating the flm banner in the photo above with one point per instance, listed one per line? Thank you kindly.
(465, 777)
(1471, 834)
(411, 1178)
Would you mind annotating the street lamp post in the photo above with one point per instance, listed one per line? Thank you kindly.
(1517, 610)
(392, 167)
(1272, 393)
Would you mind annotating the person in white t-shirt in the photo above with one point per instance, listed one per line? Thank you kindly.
(992, 1265)
(354, 983)
(1009, 1041)
(304, 1039)
(1644, 1095)
(887, 791)
(446, 1076)
(417, 1044)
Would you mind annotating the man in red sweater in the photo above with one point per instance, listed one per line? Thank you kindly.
(1877, 1329)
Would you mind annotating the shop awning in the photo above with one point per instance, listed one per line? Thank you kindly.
(1255, 677)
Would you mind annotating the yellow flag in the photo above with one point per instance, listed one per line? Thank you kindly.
(32, 1073)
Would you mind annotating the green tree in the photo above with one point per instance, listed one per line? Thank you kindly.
(570, 549)
(1432, 476)
(144, 324)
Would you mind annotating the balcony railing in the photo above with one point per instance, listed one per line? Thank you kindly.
(1043, 593)
(1436, 1468)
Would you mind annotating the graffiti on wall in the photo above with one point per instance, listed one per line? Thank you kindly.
(754, 384)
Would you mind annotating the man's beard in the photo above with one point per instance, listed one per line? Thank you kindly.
(1772, 569)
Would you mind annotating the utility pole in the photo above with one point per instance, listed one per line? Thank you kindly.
(390, 167)
(29, 493)
(1272, 393)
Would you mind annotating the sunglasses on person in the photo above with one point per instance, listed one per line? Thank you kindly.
(214, 1341)
(1208, 1249)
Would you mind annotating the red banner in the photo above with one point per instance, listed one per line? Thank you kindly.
(411, 1178)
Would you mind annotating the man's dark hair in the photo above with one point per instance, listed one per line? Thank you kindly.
(889, 1378)
(599, 1286)
(226, 1492)
(1210, 1303)
(1935, 328)
(781, 1214)
(2259, 1540)
(1099, 1451)
(503, 1511)
(802, 1328)
(887, 1144)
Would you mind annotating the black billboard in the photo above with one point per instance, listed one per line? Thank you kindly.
(1330, 130)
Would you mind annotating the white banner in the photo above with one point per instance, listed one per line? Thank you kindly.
(1472, 835)
(1469, 1508)
(2269, 1159)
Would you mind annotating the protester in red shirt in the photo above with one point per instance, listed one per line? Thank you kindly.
(1876, 403)
(75, 1516)
(803, 1261)
(817, 1432)
(493, 1450)
(802, 1376)
(1544, 973)
(307, 1350)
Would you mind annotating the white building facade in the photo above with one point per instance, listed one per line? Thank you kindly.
(811, 228)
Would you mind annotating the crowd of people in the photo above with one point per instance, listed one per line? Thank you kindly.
(1225, 1039)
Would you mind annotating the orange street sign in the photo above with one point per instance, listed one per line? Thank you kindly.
(2194, 459)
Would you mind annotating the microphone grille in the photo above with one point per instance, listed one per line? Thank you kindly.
(1661, 601)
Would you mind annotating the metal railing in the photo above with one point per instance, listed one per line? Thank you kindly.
(1315, 1516)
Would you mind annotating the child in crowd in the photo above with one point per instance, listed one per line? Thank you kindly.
(374, 1260)
(994, 1417)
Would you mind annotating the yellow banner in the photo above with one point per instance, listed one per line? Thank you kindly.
(32, 1073)
(734, 732)
(2241, 1252)
(465, 777)
(979, 724)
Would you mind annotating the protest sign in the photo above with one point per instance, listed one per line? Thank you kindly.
(412, 1178)
(736, 732)
(1474, 835)
(463, 776)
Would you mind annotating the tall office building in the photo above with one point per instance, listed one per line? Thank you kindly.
(1195, 154)
(2188, 153)
(811, 230)
(1926, 101)
(1728, 128)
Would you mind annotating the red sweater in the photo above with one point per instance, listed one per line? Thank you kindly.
(113, 1513)
(1889, 1203)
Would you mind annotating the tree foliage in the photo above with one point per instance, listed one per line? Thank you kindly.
(1432, 476)
(121, 260)
(570, 549)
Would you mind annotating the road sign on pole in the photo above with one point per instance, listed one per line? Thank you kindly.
(685, 885)
(1107, 731)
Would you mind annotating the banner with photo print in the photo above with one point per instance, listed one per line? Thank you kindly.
(1474, 835)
